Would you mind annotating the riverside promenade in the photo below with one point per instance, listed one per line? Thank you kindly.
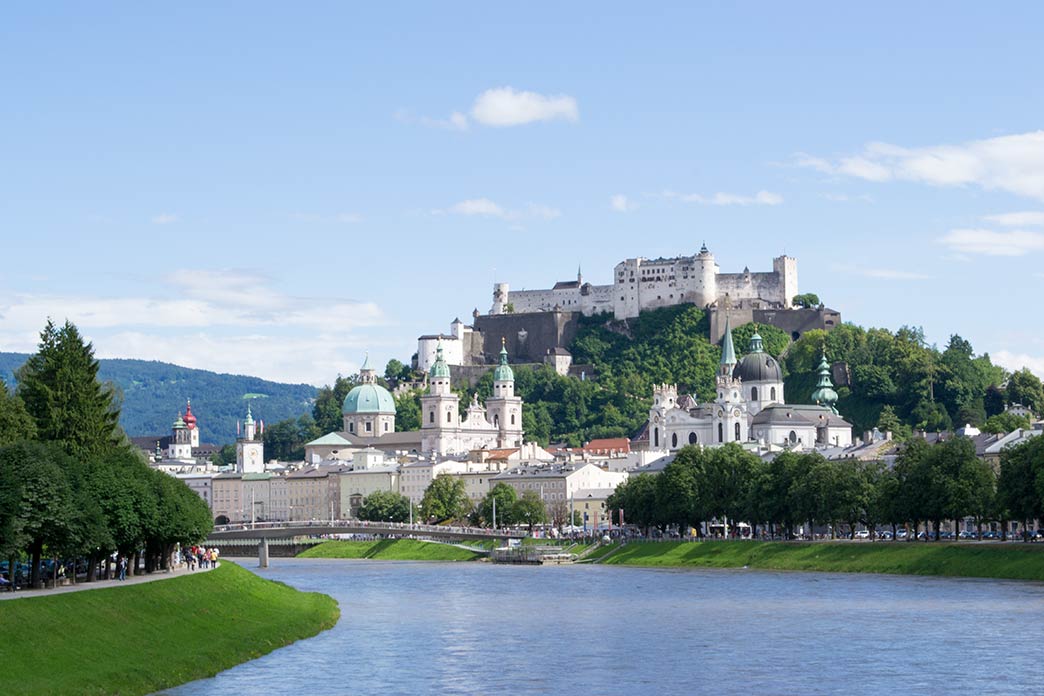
(99, 584)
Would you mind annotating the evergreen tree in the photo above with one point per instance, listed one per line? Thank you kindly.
(15, 422)
(60, 389)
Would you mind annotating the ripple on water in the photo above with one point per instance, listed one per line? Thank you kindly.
(423, 628)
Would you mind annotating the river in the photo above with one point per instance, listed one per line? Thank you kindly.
(476, 628)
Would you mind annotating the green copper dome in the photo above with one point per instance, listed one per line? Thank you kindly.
(368, 398)
(503, 373)
(439, 368)
(824, 393)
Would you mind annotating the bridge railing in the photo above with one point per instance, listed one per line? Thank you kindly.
(375, 527)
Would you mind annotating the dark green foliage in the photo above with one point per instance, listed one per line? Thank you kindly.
(15, 422)
(529, 509)
(385, 506)
(1005, 423)
(897, 374)
(153, 393)
(506, 498)
(326, 412)
(1025, 388)
(808, 299)
(60, 389)
(408, 411)
(445, 499)
(286, 439)
(1020, 486)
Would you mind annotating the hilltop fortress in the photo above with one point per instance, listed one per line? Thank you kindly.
(640, 284)
(539, 325)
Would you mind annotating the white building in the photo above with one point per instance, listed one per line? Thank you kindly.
(749, 407)
(640, 284)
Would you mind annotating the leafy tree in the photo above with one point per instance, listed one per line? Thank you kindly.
(326, 412)
(727, 476)
(636, 497)
(1020, 486)
(1005, 423)
(408, 411)
(445, 499)
(286, 439)
(529, 509)
(38, 490)
(224, 456)
(808, 299)
(60, 389)
(385, 506)
(993, 400)
(1025, 388)
(15, 422)
(506, 498)
(677, 489)
(396, 371)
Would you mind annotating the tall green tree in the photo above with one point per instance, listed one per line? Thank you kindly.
(385, 506)
(445, 499)
(529, 509)
(326, 412)
(1025, 388)
(505, 497)
(15, 422)
(1020, 486)
(60, 389)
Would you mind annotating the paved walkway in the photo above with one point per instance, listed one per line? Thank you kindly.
(98, 584)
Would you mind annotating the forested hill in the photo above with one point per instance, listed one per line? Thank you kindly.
(154, 392)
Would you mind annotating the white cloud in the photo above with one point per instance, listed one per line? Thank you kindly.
(994, 243)
(1011, 163)
(721, 198)
(484, 207)
(164, 219)
(1017, 361)
(882, 273)
(506, 106)
(1026, 218)
(456, 121)
(234, 321)
(622, 204)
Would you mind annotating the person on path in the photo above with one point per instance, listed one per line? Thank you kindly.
(121, 567)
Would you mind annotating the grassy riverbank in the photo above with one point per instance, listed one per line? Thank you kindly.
(1010, 561)
(390, 550)
(141, 638)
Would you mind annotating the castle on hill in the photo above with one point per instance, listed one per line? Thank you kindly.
(640, 284)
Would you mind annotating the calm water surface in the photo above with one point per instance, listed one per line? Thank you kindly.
(469, 628)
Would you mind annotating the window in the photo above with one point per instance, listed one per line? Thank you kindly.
(721, 433)
(449, 416)
(369, 427)
(431, 417)
(496, 420)
(656, 437)
(692, 438)
(793, 437)
(512, 419)
(753, 393)
(772, 393)
(737, 432)
(674, 440)
(351, 427)
(385, 426)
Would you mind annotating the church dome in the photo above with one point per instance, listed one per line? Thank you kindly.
(368, 398)
(758, 367)
(190, 420)
(503, 373)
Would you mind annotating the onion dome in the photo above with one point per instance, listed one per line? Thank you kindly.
(190, 420)
(824, 393)
(757, 365)
(503, 373)
(179, 424)
(439, 368)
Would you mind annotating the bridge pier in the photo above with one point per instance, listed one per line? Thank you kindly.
(262, 553)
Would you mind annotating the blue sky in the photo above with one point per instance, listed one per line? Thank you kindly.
(275, 190)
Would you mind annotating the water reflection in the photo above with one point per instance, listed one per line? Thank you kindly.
(421, 628)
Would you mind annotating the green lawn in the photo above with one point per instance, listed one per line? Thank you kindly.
(141, 638)
(391, 550)
(1012, 561)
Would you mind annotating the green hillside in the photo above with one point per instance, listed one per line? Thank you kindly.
(153, 392)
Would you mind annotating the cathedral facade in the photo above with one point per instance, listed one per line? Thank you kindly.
(749, 407)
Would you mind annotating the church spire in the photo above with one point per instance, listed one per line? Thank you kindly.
(824, 393)
(728, 351)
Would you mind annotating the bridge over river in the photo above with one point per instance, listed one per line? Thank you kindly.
(255, 537)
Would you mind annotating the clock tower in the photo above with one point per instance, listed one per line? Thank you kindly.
(250, 452)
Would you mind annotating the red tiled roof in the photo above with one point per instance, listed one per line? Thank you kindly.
(609, 444)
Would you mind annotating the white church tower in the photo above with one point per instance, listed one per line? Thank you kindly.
(250, 452)
(440, 412)
(730, 422)
(504, 409)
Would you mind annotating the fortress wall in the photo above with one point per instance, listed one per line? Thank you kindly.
(540, 332)
(765, 286)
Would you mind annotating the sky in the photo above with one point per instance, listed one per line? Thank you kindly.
(278, 189)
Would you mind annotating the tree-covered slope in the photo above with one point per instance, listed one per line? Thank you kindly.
(154, 392)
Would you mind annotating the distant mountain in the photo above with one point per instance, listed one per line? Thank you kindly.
(154, 392)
